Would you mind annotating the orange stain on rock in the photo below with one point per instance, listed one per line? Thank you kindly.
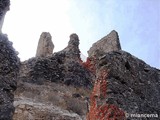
(103, 111)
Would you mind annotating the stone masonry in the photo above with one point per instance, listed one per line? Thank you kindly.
(106, 44)
(45, 45)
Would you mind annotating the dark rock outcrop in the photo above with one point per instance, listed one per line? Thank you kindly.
(106, 44)
(62, 67)
(45, 45)
(132, 85)
(48, 86)
(124, 83)
(9, 66)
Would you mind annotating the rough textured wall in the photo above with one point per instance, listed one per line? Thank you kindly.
(9, 66)
(106, 44)
(99, 109)
(48, 86)
(132, 85)
(72, 51)
(45, 45)
(62, 67)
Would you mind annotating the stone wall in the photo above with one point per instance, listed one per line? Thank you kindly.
(45, 45)
(106, 44)
(132, 85)
(98, 108)
(62, 67)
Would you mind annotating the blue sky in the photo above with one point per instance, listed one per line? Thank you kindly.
(136, 21)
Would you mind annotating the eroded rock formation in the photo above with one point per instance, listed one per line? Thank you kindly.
(61, 78)
(9, 67)
(72, 51)
(54, 86)
(99, 109)
(132, 85)
(106, 44)
(62, 67)
(45, 45)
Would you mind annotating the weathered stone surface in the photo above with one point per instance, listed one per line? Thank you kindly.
(50, 101)
(52, 83)
(72, 51)
(132, 85)
(106, 44)
(9, 66)
(37, 110)
(62, 67)
(4, 7)
(45, 45)
(99, 109)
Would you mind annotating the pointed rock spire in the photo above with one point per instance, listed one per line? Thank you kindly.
(45, 45)
(72, 50)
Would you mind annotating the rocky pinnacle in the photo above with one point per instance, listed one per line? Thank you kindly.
(45, 45)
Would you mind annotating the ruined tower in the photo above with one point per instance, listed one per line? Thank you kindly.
(106, 44)
(4, 7)
(45, 45)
